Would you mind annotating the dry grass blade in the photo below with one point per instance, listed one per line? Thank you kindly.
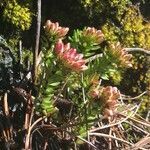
(27, 143)
(112, 137)
(116, 138)
(6, 112)
(87, 142)
(142, 143)
(138, 50)
(124, 97)
(137, 127)
(117, 123)
(146, 123)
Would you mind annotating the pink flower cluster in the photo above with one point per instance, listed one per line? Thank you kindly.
(109, 96)
(94, 34)
(55, 29)
(120, 54)
(69, 56)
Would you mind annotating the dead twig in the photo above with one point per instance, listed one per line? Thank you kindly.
(127, 49)
(27, 143)
(147, 124)
(144, 141)
(110, 136)
(116, 142)
(110, 140)
(114, 138)
(124, 97)
(6, 112)
(6, 108)
(36, 50)
(117, 123)
(87, 142)
(93, 58)
(138, 50)
(137, 127)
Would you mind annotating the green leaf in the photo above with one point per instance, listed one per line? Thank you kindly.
(104, 77)
(55, 84)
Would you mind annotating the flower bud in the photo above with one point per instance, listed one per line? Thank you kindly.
(69, 57)
(53, 29)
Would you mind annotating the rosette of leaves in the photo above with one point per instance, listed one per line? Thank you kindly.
(51, 80)
(111, 64)
(51, 74)
(87, 40)
(102, 66)
(110, 73)
(119, 56)
(87, 43)
(19, 16)
(54, 31)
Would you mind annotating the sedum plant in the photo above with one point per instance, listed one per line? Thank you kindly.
(71, 75)
(72, 100)
(67, 63)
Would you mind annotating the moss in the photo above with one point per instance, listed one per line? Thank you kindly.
(19, 16)
(111, 32)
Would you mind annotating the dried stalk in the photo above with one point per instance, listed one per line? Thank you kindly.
(112, 137)
(147, 124)
(115, 138)
(6, 108)
(138, 50)
(6, 112)
(36, 50)
(144, 141)
(28, 115)
(110, 140)
(116, 142)
(137, 127)
(87, 142)
(117, 123)
(27, 143)
(20, 58)
(124, 97)
(93, 57)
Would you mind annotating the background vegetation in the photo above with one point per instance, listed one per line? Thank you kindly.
(126, 22)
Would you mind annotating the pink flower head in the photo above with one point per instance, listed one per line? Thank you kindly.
(94, 34)
(69, 56)
(55, 29)
(110, 95)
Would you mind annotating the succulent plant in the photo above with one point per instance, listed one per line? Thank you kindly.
(69, 56)
(53, 29)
